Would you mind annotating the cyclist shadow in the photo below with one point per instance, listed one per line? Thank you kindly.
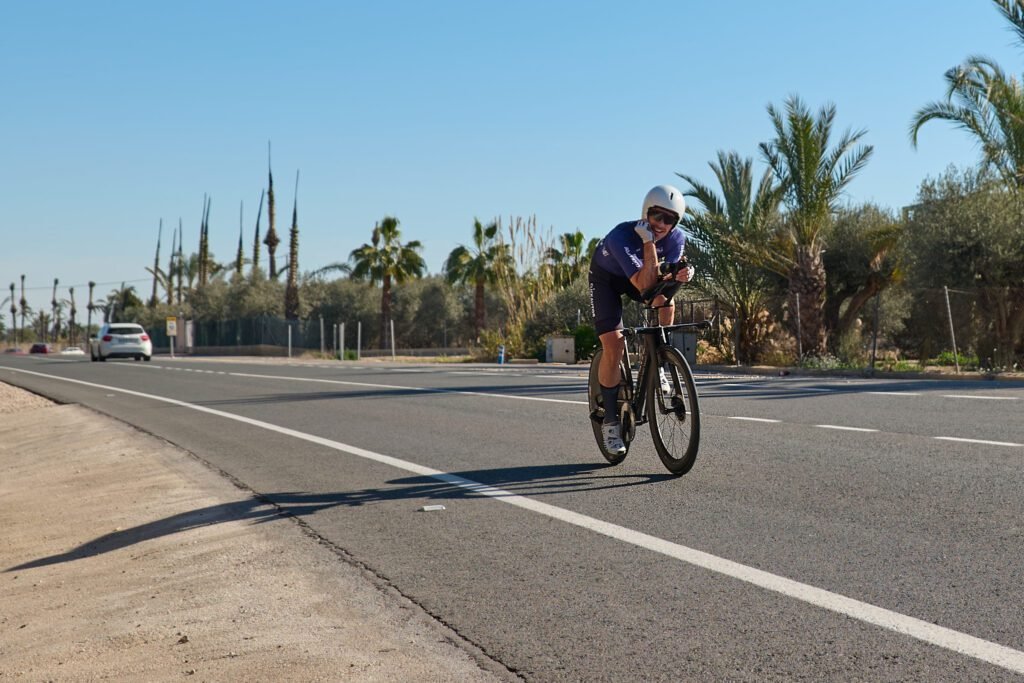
(527, 480)
(536, 480)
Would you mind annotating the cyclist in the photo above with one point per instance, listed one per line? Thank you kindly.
(626, 263)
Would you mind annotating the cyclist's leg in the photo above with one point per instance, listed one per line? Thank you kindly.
(606, 306)
(609, 374)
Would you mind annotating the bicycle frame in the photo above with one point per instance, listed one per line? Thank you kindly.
(654, 337)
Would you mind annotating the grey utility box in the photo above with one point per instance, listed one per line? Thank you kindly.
(686, 343)
(561, 350)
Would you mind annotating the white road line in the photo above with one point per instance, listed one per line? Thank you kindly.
(981, 441)
(925, 631)
(893, 393)
(848, 429)
(753, 419)
(982, 398)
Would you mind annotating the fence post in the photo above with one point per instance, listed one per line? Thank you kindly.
(392, 339)
(341, 342)
(322, 340)
(359, 339)
(952, 334)
(289, 339)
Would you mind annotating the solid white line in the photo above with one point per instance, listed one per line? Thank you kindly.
(947, 638)
(848, 429)
(981, 441)
(431, 390)
(892, 393)
(983, 398)
(753, 419)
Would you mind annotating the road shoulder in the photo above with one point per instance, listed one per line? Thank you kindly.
(124, 557)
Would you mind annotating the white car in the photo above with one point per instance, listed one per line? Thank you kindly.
(72, 351)
(121, 340)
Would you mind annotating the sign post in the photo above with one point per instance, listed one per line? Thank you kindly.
(172, 332)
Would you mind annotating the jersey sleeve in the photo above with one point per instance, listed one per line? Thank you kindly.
(626, 254)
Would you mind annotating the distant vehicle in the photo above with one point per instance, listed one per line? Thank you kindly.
(121, 340)
(12, 349)
(41, 348)
(72, 351)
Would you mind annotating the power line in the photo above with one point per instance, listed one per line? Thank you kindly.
(86, 284)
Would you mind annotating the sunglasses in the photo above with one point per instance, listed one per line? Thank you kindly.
(663, 217)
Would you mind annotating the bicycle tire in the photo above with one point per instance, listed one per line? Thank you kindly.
(597, 410)
(675, 419)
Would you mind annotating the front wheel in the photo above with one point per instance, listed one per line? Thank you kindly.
(597, 409)
(674, 416)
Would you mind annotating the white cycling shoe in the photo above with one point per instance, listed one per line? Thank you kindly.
(666, 385)
(611, 434)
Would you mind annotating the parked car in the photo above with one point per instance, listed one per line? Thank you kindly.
(121, 340)
(41, 348)
(72, 351)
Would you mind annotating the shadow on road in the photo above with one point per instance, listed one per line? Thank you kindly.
(505, 481)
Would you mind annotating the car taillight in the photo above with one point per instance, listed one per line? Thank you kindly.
(144, 337)
(107, 338)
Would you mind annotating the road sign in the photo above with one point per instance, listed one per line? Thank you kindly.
(172, 327)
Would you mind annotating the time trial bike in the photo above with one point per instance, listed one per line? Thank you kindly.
(671, 406)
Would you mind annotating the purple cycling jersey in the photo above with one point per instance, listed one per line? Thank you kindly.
(621, 251)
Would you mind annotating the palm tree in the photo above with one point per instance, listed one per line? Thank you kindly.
(89, 309)
(477, 266)
(72, 311)
(55, 307)
(989, 105)
(156, 264)
(812, 177)
(14, 315)
(291, 291)
(385, 260)
(740, 215)
(23, 303)
(271, 240)
(572, 260)
(118, 301)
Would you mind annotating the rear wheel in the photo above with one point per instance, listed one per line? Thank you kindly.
(597, 408)
(147, 358)
(675, 416)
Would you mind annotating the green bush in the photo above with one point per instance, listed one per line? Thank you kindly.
(585, 342)
(946, 358)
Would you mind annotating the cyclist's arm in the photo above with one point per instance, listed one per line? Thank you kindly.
(648, 273)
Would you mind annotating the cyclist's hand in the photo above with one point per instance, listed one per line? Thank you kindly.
(685, 274)
(643, 228)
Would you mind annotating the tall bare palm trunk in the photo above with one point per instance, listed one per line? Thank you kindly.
(807, 280)
(479, 309)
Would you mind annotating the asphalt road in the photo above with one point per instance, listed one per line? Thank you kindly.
(831, 529)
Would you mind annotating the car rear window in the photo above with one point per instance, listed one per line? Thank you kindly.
(126, 329)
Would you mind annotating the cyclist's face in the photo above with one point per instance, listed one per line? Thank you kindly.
(661, 221)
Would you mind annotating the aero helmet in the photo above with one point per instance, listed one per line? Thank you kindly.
(665, 197)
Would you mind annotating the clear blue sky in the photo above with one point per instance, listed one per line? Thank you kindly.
(117, 114)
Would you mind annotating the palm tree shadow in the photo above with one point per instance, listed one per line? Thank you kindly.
(260, 508)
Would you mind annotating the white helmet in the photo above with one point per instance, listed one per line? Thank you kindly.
(665, 197)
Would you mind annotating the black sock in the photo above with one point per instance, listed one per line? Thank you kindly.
(610, 399)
